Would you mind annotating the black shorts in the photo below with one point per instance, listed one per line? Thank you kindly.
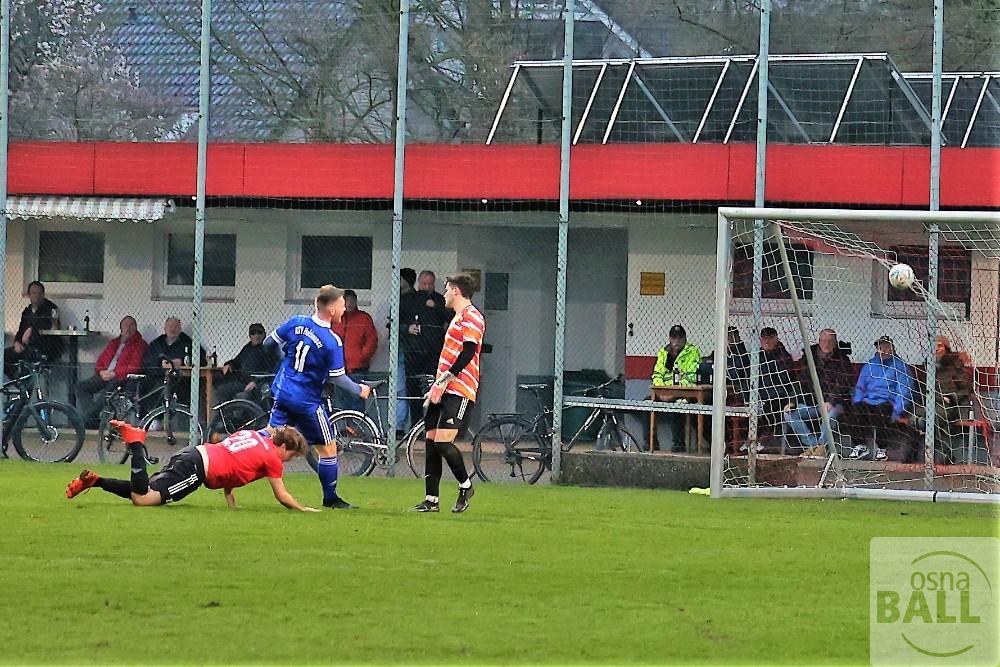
(183, 473)
(451, 413)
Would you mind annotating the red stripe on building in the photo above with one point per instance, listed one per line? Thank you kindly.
(815, 174)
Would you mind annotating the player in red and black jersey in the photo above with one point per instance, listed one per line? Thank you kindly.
(243, 457)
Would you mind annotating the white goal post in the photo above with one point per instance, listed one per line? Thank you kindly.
(829, 382)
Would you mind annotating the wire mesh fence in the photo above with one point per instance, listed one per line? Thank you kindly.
(662, 126)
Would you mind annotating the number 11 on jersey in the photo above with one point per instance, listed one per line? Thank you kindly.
(301, 350)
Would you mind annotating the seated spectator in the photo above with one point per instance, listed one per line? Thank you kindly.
(737, 364)
(676, 364)
(775, 376)
(954, 392)
(836, 377)
(121, 356)
(176, 345)
(38, 315)
(882, 398)
(253, 358)
(357, 331)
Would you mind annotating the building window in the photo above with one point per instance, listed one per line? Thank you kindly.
(774, 286)
(344, 261)
(220, 260)
(954, 282)
(71, 257)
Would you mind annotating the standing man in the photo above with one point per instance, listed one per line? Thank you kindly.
(357, 331)
(313, 357)
(407, 278)
(121, 356)
(38, 315)
(453, 394)
(425, 317)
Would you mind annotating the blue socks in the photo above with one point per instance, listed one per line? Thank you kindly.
(327, 469)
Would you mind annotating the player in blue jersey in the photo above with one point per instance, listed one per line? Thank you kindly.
(313, 358)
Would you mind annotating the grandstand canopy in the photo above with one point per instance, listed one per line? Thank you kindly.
(813, 98)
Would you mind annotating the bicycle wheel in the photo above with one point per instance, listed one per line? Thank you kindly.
(236, 415)
(110, 448)
(416, 449)
(49, 432)
(617, 439)
(508, 448)
(357, 439)
(165, 436)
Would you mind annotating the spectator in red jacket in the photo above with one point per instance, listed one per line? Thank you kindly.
(357, 330)
(121, 356)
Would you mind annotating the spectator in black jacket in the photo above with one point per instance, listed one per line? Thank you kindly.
(39, 314)
(423, 320)
(254, 357)
(737, 363)
(175, 345)
(775, 376)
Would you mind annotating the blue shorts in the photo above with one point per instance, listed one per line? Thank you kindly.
(311, 419)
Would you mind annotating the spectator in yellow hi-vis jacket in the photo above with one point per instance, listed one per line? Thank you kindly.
(676, 364)
(678, 357)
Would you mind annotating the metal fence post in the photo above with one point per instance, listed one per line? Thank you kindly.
(565, 139)
(397, 218)
(199, 220)
(757, 297)
(4, 111)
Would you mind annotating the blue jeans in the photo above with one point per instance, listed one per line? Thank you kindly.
(402, 407)
(797, 419)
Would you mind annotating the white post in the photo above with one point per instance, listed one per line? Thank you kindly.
(199, 218)
(402, 69)
(723, 258)
(561, 259)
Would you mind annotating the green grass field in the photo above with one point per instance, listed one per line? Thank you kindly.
(528, 575)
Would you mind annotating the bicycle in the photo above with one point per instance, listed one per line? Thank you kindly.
(35, 424)
(164, 421)
(524, 447)
(362, 432)
(241, 414)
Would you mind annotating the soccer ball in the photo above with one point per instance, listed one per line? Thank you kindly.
(901, 276)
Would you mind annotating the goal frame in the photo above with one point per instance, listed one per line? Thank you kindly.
(723, 301)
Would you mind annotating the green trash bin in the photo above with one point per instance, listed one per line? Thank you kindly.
(575, 383)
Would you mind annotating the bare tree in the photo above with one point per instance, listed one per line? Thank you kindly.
(325, 70)
(68, 80)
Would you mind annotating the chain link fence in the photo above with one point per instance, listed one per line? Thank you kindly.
(661, 130)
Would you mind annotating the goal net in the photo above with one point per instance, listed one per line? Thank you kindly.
(850, 385)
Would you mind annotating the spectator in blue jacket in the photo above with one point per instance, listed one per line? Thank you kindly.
(882, 398)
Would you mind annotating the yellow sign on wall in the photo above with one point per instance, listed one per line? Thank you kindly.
(652, 284)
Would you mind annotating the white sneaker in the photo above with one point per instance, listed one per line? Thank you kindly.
(858, 452)
(880, 454)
